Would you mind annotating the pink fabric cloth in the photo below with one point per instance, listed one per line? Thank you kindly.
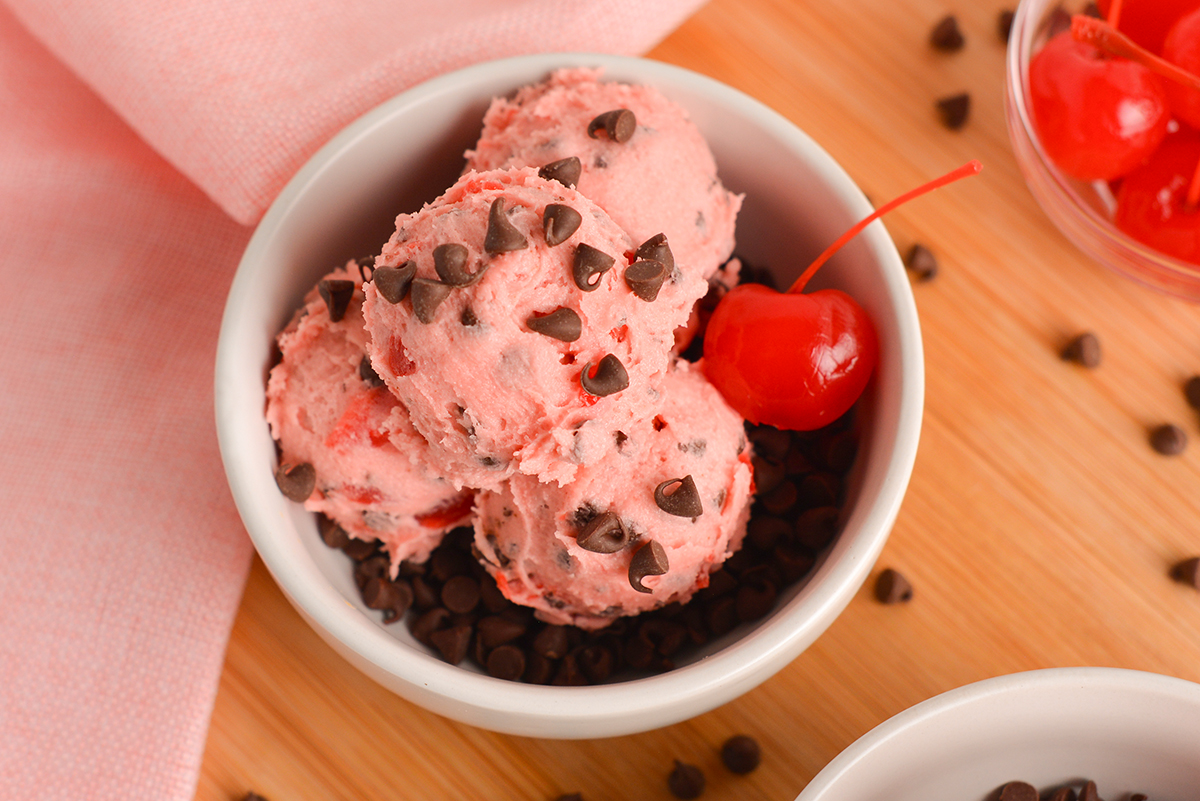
(140, 139)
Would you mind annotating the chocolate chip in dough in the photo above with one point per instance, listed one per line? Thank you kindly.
(1187, 572)
(427, 295)
(657, 249)
(1018, 791)
(337, 294)
(392, 283)
(296, 481)
(562, 324)
(741, 754)
(559, 221)
(1083, 349)
(450, 263)
(589, 266)
(645, 278)
(648, 560)
(892, 588)
(609, 377)
(921, 262)
(946, 35)
(953, 110)
(1168, 439)
(1191, 391)
(679, 497)
(502, 236)
(604, 533)
(367, 373)
(618, 125)
(565, 171)
(686, 781)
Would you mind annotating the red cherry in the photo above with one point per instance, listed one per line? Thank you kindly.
(1147, 21)
(1182, 48)
(1097, 117)
(1156, 203)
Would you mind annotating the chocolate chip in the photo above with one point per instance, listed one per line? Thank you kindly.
(296, 481)
(506, 662)
(946, 35)
(337, 294)
(551, 642)
(1188, 572)
(1168, 439)
(618, 125)
(450, 263)
(741, 754)
(892, 588)
(427, 295)
(682, 501)
(921, 262)
(367, 373)
(1191, 391)
(604, 533)
(954, 110)
(1018, 791)
(656, 249)
(646, 278)
(685, 781)
(253, 796)
(589, 266)
(1065, 794)
(468, 318)
(608, 379)
(392, 283)
(559, 222)
(393, 597)
(502, 236)
(754, 598)
(570, 797)
(460, 594)
(1004, 22)
(562, 324)
(596, 662)
(452, 642)
(1082, 349)
(331, 533)
(565, 171)
(495, 630)
(1088, 792)
(648, 560)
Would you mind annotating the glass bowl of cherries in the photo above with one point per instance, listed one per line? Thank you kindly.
(1103, 109)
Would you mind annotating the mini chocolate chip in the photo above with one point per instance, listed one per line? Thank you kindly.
(562, 324)
(589, 266)
(609, 377)
(468, 318)
(946, 35)
(392, 283)
(648, 560)
(685, 781)
(427, 295)
(367, 373)
(565, 171)
(296, 481)
(1168, 439)
(337, 294)
(645, 278)
(559, 222)
(656, 249)
(618, 125)
(1004, 21)
(502, 236)
(892, 588)
(452, 642)
(1018, 791)
(921, 262)
(683, 500)
(450, 263)
(460, 594)
(331, 533)
(1083, 349)
(604, 533)
(741, 754)
(1188, 572)
(1191, 391)
(506, 662)
(954, 110)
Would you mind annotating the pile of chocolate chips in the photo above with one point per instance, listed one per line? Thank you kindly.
(1023, 791)
(452, 605)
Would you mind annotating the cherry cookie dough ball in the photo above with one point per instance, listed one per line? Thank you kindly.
(347, 446)
(642, 528)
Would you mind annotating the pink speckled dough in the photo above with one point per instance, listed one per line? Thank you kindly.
(526, 531)
(493, 397)
(374, 476)
(662, 180)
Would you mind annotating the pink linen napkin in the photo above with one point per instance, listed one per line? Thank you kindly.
(140, 139)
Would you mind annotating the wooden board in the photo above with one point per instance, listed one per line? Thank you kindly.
(1038, 529)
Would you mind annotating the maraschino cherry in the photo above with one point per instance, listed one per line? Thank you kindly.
(798, 360)
(1159, 203)
(1145, 21)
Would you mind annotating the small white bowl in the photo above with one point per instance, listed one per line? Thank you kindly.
(343, 204)
(1129, 731)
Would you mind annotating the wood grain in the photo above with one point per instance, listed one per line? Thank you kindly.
(1038, 529)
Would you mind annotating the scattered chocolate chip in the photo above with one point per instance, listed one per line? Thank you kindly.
(562, 324)
(1188, 572)
(450, 263)
(946, 35)
(656, 249)
(604, 533)
(893, 588)
(741, 754)
(954, 110)
(367, 373)
(392, 283)
(337, 294)
(1191, 391)
(296, 481)
(683, 499)
(589, 266)
(645, 278)
(618, 125)
(648, 560)
(427, 295)
(1018, 791)
(1083, 349)
(609, 377)
(506, 662)
(559, 222)
(502, 236)
(565, 171)
(452, 642)
(921, 262)
(1168, 439)
(1004, 22)
(685, 781)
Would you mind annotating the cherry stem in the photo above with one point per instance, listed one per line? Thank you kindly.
(1100, 34)
(1114, 14)
(970, 168)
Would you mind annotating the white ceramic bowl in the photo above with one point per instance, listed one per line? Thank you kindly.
(1127, 730)
(343, 204)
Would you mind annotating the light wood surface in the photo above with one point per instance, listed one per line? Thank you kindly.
(1038, 529)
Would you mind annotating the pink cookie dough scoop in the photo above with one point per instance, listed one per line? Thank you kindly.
(640, 158)
(642, 528)
(327, 408)
(502, 317)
